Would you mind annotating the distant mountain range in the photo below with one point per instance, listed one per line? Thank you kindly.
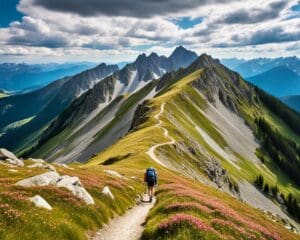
(249, 68)
(24, 77)
(279, 81)
(279, 76)
(292, 101)
(131, 78)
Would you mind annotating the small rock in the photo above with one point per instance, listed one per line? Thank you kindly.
(40, 180)
(40, 202)
(36, 165)
(50, 167)
(74, 185)
(44, 166)
(107, 192)
(114, 173)
(63, 165)
(38, 160)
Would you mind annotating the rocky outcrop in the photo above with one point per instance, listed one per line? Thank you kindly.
(73, 184)
(219, 176)
(40, 202)
(10, 158)
(140, 115)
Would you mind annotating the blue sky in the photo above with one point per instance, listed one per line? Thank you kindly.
(119, 30)
(187, 22)
(8, 12)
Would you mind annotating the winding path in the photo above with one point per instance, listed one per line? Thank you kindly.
(127, 227)
(151, 150)
(130, 226)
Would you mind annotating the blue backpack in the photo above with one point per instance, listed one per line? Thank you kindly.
(151, 175)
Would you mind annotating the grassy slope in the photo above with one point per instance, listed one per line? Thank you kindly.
(70, 218)
(223, 214)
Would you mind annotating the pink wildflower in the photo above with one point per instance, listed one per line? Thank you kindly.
(180, 218)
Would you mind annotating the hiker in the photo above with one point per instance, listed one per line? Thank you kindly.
(151, 179)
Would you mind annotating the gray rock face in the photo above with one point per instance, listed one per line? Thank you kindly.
(10, 158)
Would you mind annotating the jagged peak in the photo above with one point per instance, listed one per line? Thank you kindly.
(181, 50)
(204, 60)
(141, 57)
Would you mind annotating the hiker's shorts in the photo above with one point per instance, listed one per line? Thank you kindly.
(150, 184)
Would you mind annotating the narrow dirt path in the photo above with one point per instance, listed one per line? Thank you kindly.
(127, 227)
(150, 152)
(130, 226)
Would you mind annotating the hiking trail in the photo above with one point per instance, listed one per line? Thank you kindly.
(130, 225)
(151, 150)
(126, 227)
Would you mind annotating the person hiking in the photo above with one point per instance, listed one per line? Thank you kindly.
(151, 178)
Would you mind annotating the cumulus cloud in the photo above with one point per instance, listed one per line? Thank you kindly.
(255, 14)
(140, 8)
(35, 32)
(108, 28)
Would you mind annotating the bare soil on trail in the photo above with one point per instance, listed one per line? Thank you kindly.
(127, 227)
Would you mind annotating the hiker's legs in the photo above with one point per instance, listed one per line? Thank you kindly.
(151, 194)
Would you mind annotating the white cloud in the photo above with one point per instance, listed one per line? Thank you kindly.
(263, 25)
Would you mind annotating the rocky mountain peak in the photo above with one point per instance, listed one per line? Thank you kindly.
(181, 57)
(202, 61)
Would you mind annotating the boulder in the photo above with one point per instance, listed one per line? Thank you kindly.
(16, 162)
(5, 154)
(40, 202)
(107, 192)
(40, 180)
(10, 158)
(74, 185)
